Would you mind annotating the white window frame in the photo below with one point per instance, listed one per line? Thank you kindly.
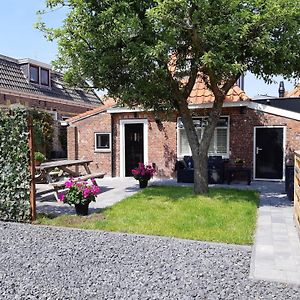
(95, 142)
(224, 155)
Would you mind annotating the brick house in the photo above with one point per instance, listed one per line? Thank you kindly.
(116, 138)
(34, 84)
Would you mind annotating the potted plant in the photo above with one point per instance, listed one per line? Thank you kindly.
(239, 162)
(143, 173)
(39, 157)
(80, 193)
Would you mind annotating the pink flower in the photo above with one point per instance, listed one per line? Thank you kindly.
(69, 184)
(95, 189)
(61, 196)
(86, 192)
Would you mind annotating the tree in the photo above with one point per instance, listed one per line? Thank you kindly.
(152, 52)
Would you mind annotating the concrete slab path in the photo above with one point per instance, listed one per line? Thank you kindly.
(276, 251)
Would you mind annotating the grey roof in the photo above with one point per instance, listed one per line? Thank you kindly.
(13, 78)
(287, 103)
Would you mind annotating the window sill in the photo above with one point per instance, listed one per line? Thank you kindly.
(102, 150)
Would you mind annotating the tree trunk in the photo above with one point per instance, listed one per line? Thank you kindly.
(200, 174)
(200, 148)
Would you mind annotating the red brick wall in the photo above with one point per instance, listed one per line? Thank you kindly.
(161, 142)
(81, 144)
(242, 133)
(162, 138)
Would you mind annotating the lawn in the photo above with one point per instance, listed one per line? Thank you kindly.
(224, 215)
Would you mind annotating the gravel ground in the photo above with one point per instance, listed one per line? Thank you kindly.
(53, 263)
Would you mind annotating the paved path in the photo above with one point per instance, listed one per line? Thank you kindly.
(276, 251)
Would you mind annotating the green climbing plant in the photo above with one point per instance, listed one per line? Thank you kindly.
(14, 166)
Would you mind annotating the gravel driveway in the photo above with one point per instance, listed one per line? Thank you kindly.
(52, 263)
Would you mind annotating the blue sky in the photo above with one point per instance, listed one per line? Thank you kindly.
(19, 39)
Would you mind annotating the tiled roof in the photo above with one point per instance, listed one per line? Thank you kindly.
(201, 94)
(108, 103)
(13, 78)
(295, 92)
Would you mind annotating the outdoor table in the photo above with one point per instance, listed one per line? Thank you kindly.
(233, 173)
(47, 167)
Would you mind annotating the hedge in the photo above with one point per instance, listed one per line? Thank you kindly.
(14, 166)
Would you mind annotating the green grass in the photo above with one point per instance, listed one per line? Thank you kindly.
(224, 215)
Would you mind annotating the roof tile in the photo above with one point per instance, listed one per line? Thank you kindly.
(13, 78)
(295, 92)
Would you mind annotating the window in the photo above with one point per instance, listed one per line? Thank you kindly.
(44, 77)
(102, 142)
(34, 74)
(220, 141)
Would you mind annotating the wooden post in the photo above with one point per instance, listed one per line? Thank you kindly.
(32, 171)
(297, 189)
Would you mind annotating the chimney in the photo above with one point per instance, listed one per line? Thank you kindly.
(281, 89)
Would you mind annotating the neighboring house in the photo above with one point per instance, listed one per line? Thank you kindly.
(116, 138)
(35, 85)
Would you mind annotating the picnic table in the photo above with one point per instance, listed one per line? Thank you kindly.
(46, 168)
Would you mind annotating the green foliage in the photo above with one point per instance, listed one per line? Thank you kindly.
(42, 131)
(39, 156)
(125, 46)
(151, 53)
(223, 215)
(14, 166)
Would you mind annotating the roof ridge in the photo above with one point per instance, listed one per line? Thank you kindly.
(9, 58)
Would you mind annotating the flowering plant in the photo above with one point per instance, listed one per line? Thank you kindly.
(143, 172)
(79, 191)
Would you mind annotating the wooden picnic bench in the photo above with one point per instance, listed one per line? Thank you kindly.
(45, 170)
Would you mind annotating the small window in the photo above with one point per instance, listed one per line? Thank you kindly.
(34, 74)
(102, 142)
(44, 77)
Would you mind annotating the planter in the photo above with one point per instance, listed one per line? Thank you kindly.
(143, 183)
(82, 209)
(37, 162)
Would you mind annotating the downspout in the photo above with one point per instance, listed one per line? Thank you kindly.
(112, 146)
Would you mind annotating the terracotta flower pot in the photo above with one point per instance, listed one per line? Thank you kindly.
(37, 162)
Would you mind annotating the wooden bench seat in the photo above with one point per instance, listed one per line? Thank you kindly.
(61, 184)
(90, 176)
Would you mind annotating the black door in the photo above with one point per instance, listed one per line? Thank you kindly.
(134, 146)
(269, 153)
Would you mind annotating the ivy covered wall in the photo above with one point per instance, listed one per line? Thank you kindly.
(14, 166)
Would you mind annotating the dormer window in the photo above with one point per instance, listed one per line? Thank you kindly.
(39, 75)
(34, 74)
(44, 76)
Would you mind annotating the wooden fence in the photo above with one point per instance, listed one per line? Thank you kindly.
(297, 189)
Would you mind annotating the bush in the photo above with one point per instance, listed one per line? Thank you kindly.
(38, 156)
(14, 166)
